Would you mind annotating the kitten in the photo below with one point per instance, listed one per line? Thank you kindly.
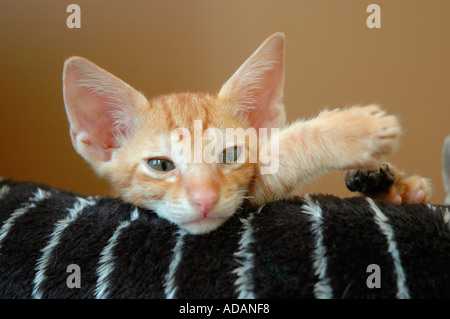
(129, 139)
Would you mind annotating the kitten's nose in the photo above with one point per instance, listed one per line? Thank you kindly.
(204, 202)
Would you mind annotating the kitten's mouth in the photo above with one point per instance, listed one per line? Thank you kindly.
(206, 219)
(202, 225)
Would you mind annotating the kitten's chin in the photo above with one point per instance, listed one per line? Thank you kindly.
(202, 225)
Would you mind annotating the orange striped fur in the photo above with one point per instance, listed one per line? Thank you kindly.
(117, 130)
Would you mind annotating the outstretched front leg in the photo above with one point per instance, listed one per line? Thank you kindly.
(341, 139)
(388, 183)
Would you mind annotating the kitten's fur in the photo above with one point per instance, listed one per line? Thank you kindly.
(116, 129)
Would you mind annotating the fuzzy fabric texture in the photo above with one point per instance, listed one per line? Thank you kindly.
(317, 246)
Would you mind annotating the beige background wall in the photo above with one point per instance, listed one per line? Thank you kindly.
(333, 60)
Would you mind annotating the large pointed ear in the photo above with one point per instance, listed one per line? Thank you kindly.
(100, 108)
(256, 88)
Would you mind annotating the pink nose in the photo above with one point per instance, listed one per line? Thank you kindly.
(204, 202)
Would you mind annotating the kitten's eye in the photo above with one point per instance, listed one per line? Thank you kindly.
(230, 155)
(160, 164)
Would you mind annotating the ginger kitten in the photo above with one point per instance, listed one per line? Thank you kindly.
(160, 153)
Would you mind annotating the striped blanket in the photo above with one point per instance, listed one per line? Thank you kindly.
(57, 244)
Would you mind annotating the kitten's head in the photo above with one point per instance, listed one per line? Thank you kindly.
(173, 154)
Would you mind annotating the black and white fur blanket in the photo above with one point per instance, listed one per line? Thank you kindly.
(317, 246)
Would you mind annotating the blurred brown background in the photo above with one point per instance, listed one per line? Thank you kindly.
(333, 60)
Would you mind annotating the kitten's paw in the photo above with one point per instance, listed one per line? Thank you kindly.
(380, 135)
(370, 181)
(367, 134)
(412, 190)
(387, 183)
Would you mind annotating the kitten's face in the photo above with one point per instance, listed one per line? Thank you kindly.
(196, 196)
(129, 139)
